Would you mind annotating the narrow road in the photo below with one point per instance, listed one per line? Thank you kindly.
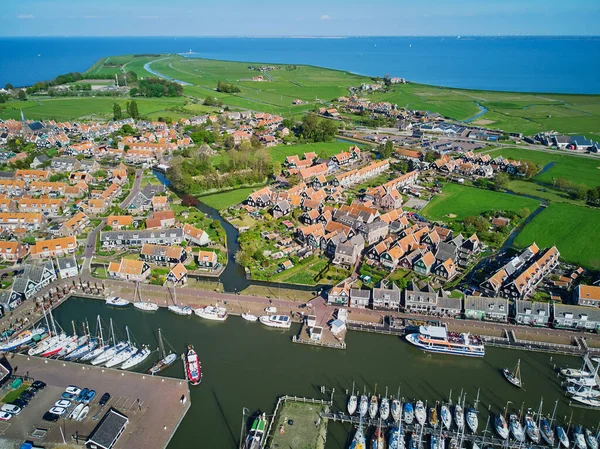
(90, 247)
(139, 173)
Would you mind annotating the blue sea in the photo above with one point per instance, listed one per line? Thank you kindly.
(524, 64)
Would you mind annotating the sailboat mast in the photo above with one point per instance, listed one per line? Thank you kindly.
(46, 317)
(112, 331)
(127, 331)
(161, 346)
(52, 322)
(100, 328)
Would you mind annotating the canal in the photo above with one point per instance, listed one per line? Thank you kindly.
(248, 365)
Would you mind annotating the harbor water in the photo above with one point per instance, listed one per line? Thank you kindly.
(248, 365)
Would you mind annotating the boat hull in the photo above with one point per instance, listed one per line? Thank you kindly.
(414, 340)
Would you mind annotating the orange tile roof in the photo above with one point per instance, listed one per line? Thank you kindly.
(61, 243)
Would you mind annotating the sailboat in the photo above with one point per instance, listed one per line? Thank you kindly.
(179, 309)
(146, 306)
(396, 440)
(352, 402)
(531, 428)
(123, 355)
(378, 442)
(166, 360)
(396, 409)
(111, 351)
(459, 416)
(446, 416)
(53, 338)
(384, 407)
(575, 373)
(115, 301)
(472, 420)
(500, 425)
(420, 413)
(546, 432)
(516, 428)
(137, 358)
(89, 345)
(579, 437)
(433, 416)
(591, 439)
(102, 345)
(408, 413)
(359, 441)
(514, 377)
(562, 436)
(364, 405)
(373, 406)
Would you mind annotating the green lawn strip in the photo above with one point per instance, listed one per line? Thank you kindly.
(461, 201)
(573, 229)
(14, 394)
(223, 200)
(541, 191)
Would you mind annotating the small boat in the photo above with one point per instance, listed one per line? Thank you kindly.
(22, 338)
(453, 443)
(420, 413)
(582, 381)
(579, 438)
(213, 313)
(83, 413)
(257, 432)
(271, 309)
(140, 304)
(433, 417)
(364, 405)
(180, 310)
(446, 416)
(575, 373)
(193, 369)
(396, 440)
(500, 426)
(279, 321)
(76, 411)
(137, 358)
(359, 441)
(585, 392)
(396, 410)
(516, 428)
(352, 404)
(472, 420)
(378, 442)
(562, 436)
(373, 407)
(591, 439)
(590, 402)
(408, 414)
(109, 353)
(249, 317)
(531, 428)
(122, 356)
(115, 301)
(514, 377)
(384, 409)
(546, 432)
(459, 417)
(166, 360)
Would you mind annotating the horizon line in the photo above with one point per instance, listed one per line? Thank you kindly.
(298, 36)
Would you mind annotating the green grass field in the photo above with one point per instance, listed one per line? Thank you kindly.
(457, 202)
(571, 228)
(540, 191)
(223, 200)
(577, 169)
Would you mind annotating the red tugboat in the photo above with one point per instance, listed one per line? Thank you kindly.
(193, 369)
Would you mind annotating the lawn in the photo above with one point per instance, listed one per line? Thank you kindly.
(577, 169)
(223, 200)
(457, 202)
(14, 394)
(573, 229)
(545, 192)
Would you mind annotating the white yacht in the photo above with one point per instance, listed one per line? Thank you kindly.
(213, 313)
(280, 321)
(115, 301)
(249, 317)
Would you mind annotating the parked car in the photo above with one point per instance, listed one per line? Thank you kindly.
(58, 410)
(69, 396)
(63, 403)
(89, 397)
(26, 396)
(32, 390)
(39, 384)
(72, 389)
(5, 416)
(82, 394)
(104, 399)
(20, 403)
(11, 408)
(51, 417)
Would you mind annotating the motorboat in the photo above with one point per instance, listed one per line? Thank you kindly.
(514, 377)
(364, 405)
(438, 339)
(472, 420)
(279, 321)
(396, 410)
(433, 417)
(459, 416)
(256, 434)
(213, 313)
(22, 338)
(420, 413)
(249, 317)
(591, 439)
(193, 368)
(137, 358)
(408, 414)
(396, 440)
(516, 428)
(579, 438)
(531, 428)
(180, 310)
(500, 426)
(76, 411)
(373, 407)
(562, 436)
(384, 409)
(575, 373)
(546, 432)
(115, 301)
(352, 404)
(446, 416)
(359, 441)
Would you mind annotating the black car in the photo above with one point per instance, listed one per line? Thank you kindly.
(32, 390)
(39, 384)
(52, 417)
(104, 399)
(26, 396)
(20, 403)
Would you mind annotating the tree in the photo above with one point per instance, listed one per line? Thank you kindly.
(228, 142)
(117, 112)
(276, 168)
(8, 86)
(528, 169)
(430, 157)
(501, 181)
(580, 192)
(132, 109)
(386, 150)
(524, 212)
(22, 95)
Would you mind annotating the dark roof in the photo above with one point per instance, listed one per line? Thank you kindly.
(36, 126)
(108, 430)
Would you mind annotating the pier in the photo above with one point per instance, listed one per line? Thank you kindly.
(153, 404)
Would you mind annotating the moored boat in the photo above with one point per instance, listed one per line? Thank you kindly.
(433, 417)
(109, 353)
(364, 405)
(396, 440)
(193, 369)
(500, 426)
(438, 339)
(472, 420)
(420, 412)
(590, 402)
(137, 358)
(384, 409)
(46, 344)
(359, 441)
(396, 409)
(72, 345)
(408, 414)
(146, 306)
(249, 317)
(446, 416)
(516, 428)
(115, 301)
(459, 416)
(378, 441)
(83, 350)
(279, 321)
(562, 436)
(256, 433)
(591, 439)
(122, 356)
(180, 310)
(66, 340)
(531, 428)
(579, 437)
(22, 338)
(213, 313)
(546, 432)
(373, 407)
(352, 404)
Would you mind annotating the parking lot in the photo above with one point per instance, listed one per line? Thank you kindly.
(152, 404)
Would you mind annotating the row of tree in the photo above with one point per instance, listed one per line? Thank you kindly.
(131, 109)
(228, 88)
(316, 129)
(157, 87)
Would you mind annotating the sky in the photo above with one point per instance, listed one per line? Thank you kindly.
(298, 18)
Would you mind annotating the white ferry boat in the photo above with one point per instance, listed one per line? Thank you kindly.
(281, 321)
(438, 339)
(213, 313)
